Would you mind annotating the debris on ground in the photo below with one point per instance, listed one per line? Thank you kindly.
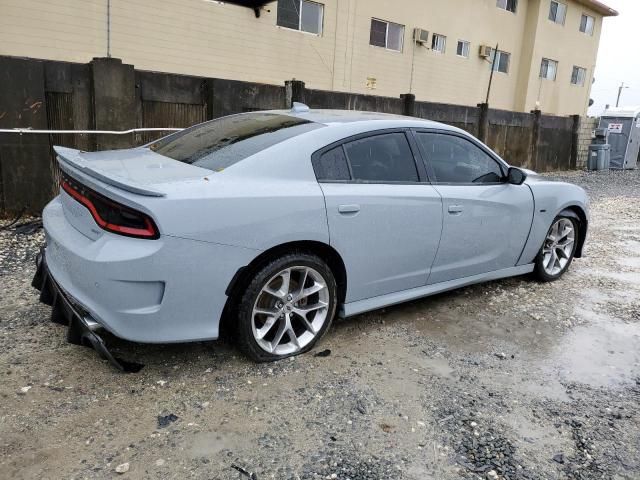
(166, 420)
(244, 471)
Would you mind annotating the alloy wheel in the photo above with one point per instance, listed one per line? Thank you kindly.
(290, 310)
(558, 246)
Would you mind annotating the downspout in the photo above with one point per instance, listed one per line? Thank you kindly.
(108, 28)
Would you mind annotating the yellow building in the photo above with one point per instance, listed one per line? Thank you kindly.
(440, 50)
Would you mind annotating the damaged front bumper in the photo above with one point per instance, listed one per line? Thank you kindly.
(83, 330)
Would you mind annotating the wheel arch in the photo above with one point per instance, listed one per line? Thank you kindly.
(244, 274)
(576, 212)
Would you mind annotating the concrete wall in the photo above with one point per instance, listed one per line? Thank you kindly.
(110, 94)
(213, 39)
(587, 125)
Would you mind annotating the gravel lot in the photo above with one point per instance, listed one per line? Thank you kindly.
(511, 379)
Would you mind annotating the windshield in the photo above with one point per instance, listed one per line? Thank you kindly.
(220, 143)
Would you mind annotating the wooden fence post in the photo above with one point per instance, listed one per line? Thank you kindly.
(535, 138)
(114, 101)
(208, 97)
(575, 139)
(409, 104)
(294, 92)
(483, 122)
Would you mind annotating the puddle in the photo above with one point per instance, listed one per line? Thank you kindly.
(438, 366)
(604, 353)
(632, 246)
(530, 432)
(208, 444)
(633, 262)
(626, 228)
(625, 277)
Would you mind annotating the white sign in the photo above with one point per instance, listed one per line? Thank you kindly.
(615, 127)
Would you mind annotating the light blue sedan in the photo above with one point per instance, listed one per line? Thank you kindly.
(276, 221)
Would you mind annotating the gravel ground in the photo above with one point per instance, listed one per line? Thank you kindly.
(510, 379)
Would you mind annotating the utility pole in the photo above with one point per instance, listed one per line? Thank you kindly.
(493, 69)
(620, 88)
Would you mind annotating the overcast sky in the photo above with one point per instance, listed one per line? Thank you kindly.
(618, 58)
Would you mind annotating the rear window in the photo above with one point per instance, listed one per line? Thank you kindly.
(220, 143)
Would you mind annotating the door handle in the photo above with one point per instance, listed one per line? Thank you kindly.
(349, 209)
(455, 209)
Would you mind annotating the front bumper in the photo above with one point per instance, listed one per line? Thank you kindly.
(65, 311)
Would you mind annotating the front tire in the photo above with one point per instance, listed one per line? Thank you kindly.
(286, 308)
(558, 249)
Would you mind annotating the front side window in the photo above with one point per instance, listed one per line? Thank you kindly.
(557, 12)
(578, 76)
(382, 158)
(587, 23)
(438, 43)
(301, 15)
(548, 69)
(463, 49)
(457, 160)
(509, 5)
(220, 143)
(386, 34)
(501, 62)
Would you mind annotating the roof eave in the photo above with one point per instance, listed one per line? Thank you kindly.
(599, 7)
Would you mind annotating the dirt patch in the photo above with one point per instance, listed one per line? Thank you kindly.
(510, 379)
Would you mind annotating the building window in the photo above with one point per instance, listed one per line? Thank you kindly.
(509, 5)
(557, 12)
(301, 15)
(438, 43)
(578, 76)
(463, 48)
(501, 62)
(548, 69)
(386, 34)
(587, 23)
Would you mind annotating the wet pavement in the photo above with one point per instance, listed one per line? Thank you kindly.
(510, 379)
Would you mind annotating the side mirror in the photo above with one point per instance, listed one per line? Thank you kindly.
(516, 176)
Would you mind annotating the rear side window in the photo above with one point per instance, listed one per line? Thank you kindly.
(382, 158)
(220, 143)
(456, 160)
(332, 165)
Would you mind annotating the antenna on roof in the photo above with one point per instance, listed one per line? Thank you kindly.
(299, 108)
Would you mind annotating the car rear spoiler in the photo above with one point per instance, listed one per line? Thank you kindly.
(73, 158)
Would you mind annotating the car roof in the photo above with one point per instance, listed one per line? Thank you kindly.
(337, 117)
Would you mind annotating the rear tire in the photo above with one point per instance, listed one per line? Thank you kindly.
(286, 308)
(557, 251)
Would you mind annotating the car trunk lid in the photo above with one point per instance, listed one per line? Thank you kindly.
(135, 170)
(101, 190)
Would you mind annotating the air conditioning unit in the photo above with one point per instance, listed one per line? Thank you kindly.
(421, 36)
(485, 51)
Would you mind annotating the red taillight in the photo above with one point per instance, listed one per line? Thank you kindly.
(109, 215)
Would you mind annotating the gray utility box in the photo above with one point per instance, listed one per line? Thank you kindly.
(599, 157)
(623, 125)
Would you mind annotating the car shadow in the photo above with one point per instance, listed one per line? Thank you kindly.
(223, 351)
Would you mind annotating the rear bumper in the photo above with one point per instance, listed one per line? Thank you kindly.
(65, 311)
(149, 291)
